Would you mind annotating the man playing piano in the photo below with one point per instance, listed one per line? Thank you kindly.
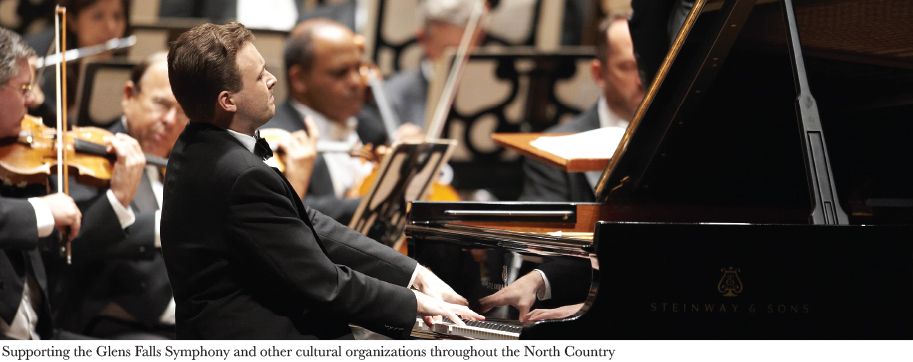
(246, 259)
(615, 72)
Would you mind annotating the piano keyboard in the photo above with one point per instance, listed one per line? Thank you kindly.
(473, 329)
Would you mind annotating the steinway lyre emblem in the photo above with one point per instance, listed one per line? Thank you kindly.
(730, 285)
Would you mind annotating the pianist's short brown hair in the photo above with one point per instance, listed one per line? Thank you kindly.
(201, 64)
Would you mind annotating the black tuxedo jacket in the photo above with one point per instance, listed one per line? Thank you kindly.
(320, 195)
(247, 260)
(111, 264)
(20, 256)
(546, 183)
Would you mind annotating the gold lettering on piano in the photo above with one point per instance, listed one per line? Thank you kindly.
(728, 308)
(730, 285)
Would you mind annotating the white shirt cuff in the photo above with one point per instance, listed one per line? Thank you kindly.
(124, 214)
(545, 291)
(414, 274)
(158, 234)
(44, 217)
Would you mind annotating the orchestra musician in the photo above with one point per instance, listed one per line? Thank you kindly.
(89, 22)
(27, 215)
(246, 259)
(615, 72)
(121, 290)
(322, 63)
(407, 92)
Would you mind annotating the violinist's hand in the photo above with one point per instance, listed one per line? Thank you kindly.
(408, 132)
(520, 294)
(557, 313)
(431, 309)
(128, 169)
(300, 153)
(432, 286)
(65, 213)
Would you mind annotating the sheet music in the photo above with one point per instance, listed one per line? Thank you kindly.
(598, 143)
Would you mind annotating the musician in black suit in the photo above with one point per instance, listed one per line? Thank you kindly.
(26, 217)
(567, 280)
(121, 291)
(245, 257)
(322, 64)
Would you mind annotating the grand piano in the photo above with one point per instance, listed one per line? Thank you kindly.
(723, 213)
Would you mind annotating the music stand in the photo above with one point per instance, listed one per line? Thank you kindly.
(405, 175)
(101, 88)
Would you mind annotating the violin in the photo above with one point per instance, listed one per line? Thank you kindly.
(372, 78)
(274, 136)
(32, 157)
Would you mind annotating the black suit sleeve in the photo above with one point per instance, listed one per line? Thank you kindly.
(101, 235)
(321, 197)
(265, 232)
(569, 278)
(18, 225)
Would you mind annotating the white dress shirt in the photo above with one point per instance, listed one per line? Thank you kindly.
(25, 323)
(607, 118)
(344, 169)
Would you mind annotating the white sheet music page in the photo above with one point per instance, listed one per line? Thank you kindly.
(598, 143)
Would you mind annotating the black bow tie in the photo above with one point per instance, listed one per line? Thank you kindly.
(262, 148)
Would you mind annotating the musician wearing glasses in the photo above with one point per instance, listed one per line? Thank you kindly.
(27, 218)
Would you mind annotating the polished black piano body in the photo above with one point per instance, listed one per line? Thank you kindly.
(721, 167)
(668, 281)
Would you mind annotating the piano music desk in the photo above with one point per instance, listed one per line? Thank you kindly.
(520, 142)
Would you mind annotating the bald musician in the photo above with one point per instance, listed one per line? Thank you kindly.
(322, 62)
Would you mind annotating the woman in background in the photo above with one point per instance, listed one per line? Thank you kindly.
(89, 22)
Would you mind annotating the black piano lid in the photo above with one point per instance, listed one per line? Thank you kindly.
(718, 132)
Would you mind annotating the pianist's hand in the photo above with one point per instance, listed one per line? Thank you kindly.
(557, 313)
(429, 307)
(432, 286)
(520, 294)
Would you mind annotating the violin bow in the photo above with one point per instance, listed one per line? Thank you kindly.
(63, 185)
(436, 124)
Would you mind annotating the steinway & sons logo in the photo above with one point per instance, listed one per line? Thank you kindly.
(730, 285)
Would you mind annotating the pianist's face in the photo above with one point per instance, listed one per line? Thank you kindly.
(618, 77)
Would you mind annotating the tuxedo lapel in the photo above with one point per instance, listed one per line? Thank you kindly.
(302, 212)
